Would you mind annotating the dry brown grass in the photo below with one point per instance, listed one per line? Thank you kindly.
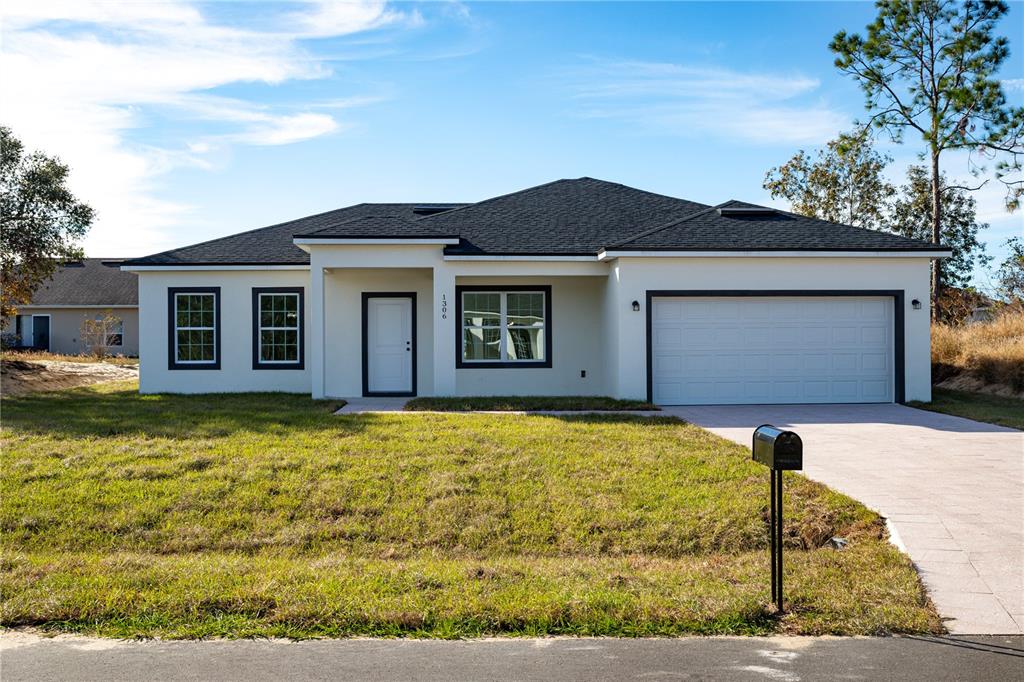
(992, 351)
(29, 355)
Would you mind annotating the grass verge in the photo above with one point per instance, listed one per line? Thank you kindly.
(980, 407)
(527, 404)
(256, 515)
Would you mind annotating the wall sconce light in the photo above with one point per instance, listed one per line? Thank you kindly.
(636, 306)
(916, 303)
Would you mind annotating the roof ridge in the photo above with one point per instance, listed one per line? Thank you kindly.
(500, 196)
(664, 226)
(356, 220)
(642, 191)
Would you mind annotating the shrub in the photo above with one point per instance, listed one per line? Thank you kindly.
(9, 340)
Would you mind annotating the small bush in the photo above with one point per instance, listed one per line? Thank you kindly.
(9, 340)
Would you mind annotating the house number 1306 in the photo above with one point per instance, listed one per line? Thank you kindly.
(444, 307)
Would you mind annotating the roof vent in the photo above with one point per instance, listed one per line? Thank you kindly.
(431, 209)
(741, 211)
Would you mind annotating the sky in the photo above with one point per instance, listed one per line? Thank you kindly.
(184, 121)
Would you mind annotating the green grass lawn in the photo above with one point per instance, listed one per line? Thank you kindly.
(252, 515)
(521, 404)
(981, 407)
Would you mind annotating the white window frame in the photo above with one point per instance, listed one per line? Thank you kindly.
(25, 318)
(213, 329)
(503, 327)
(120, 323)
(297, 329)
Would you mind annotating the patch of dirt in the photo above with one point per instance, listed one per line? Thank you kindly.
(18, 377)
(968, 382)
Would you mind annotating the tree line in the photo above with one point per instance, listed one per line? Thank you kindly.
(927, 69)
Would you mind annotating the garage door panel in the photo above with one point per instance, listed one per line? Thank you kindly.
(844, 362)
(771, 349)
(874, 362)
(872, 336)
(874, 310)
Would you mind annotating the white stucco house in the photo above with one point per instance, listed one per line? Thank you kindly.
(576, 287)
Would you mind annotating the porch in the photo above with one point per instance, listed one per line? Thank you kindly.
(377, 330)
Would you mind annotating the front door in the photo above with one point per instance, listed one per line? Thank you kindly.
(389, 344)
(41, 332)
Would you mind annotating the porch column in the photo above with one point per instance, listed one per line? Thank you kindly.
(445, 341)
(316, 328)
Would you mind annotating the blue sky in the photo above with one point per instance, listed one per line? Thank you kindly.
(186, 121)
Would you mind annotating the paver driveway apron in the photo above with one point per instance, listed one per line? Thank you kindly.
(952, 489)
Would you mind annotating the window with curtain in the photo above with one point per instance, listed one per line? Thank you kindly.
(503, 326)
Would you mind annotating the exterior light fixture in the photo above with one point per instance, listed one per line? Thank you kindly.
(916, 303)
(636, 306)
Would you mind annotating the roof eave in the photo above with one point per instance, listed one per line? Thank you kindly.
(856, 252)
(398, 240)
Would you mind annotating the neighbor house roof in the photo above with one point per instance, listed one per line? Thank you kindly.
(92, 282)
(583, 216)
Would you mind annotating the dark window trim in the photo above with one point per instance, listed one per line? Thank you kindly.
(899, 329)
(367, 295)
(507, 364)
(257, 363)
(172, 360)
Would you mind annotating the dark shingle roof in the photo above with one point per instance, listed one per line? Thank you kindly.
(561, 217)
(93, 281)
(565, 217)
(272, 245)
(378, 226)
(762, 229)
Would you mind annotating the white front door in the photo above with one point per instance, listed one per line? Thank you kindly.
(389, 345)
(754, 350)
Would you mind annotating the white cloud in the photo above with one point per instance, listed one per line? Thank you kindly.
(83, 77)
(686, 100)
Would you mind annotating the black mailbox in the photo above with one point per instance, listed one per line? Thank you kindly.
(777, 449)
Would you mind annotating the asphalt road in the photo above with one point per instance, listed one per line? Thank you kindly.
(789, 659)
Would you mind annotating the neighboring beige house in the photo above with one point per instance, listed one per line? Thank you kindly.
(78, 292)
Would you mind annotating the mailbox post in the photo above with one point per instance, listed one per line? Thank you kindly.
(779, 451)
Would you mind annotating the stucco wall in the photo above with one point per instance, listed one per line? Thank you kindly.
(577, 339)
(636, 276)
(343, 291)
(593, 325)
(236, 372)
(66, 325)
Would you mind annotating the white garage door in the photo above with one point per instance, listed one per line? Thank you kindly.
(751, 350)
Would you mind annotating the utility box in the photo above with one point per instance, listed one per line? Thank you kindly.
(777, 449)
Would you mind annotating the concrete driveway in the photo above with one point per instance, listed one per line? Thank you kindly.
(952, 489)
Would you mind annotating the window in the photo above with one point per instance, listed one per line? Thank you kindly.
(194, 327)
(23, 330)
(277, 328)
(504, 327)
(115, 335)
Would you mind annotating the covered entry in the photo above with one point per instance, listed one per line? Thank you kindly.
(753, 349)
(389, 344)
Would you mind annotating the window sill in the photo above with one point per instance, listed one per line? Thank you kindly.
(283, 365)
(464, 364)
